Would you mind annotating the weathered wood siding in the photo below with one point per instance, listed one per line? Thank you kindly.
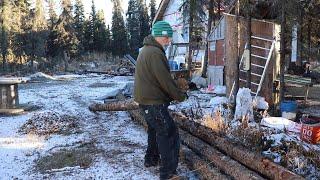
(259, 28)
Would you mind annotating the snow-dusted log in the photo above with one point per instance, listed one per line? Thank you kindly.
(122, 105)
(250, 159)
(203, 167)
(221, 161)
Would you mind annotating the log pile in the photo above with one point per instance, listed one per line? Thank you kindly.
(213, 156)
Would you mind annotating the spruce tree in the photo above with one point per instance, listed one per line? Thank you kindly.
(133, 27)
(52, 14)
(5, 28)
(93, 27)
(36, 33)
(100, 34)
(65, 44)
(119, 33)
(144, 20)
(20, 20)
(79, 19)
(108, 41)
(153, 10)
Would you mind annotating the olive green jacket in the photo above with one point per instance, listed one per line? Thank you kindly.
(153, 82)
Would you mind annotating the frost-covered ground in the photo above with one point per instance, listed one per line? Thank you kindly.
(116, 144)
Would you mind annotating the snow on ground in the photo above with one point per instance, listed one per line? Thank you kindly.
(118, 143)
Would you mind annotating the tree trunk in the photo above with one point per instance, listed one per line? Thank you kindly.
(206, 55)
(309, 39)
(245, 156)
(237, 74)
(300, 40)
(190, 52)
(249, 33)
(223, 162)
(124, 105)
(282, 49)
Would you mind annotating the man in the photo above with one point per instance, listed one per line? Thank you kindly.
(154, 90)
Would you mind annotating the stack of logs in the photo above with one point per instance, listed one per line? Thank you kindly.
(213, 156)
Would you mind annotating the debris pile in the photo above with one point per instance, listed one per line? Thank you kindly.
(46, 123)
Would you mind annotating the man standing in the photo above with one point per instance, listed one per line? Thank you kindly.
(154, 90)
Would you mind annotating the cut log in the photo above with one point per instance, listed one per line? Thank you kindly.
(225, 163)
(205, 171)
(250, 159)
(202, 167)
(123, 105)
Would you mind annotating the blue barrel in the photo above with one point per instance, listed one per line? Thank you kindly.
(173, 65)
(288, 106)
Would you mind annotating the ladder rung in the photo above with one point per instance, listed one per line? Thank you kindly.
(257, 65)
(243, 80)
(255, 83)
(256, 74)
(258, 47)
(243, 70)
(261, 57)
(260, 38)
(253, 92)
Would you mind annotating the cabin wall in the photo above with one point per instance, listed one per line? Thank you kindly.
(268, 30)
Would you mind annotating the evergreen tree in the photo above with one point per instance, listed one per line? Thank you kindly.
(65, 42)
(52, 14)
(79, 20)
(87, 40)
(5, 28)
(133, 27)
(193, 16)
(20, 20)
(144, 20)
(93, 27)
(108, 41)
(119, 33)
(153, 10)
(36, 33)
(100, 33)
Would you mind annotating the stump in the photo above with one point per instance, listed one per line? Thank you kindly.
(9, 96)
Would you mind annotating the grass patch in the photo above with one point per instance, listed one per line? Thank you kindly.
(82, 156)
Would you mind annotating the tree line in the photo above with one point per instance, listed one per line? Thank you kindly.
(29, 33)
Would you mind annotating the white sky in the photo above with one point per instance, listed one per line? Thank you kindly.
(106, 6)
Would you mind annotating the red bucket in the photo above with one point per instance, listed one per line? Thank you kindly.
(310, 130)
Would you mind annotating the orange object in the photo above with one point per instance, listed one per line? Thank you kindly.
(310, 130)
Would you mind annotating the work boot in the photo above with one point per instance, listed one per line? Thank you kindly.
(150, 162)
(171, 176)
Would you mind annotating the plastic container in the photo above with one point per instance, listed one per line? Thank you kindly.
(288, 106)
(173, 65)
(310, 130)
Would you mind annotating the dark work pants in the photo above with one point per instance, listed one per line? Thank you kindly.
(163, 137)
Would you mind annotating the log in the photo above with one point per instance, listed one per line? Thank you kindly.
(221, 161)
(122, 105)
(250, 159)
(205, 171)
(202, 167)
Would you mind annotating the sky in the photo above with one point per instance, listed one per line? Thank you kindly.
(106, 6)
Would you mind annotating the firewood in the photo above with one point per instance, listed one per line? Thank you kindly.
(251, 159)
(122, 105)
(221, 161)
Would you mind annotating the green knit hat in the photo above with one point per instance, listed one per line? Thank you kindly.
(162, 29)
